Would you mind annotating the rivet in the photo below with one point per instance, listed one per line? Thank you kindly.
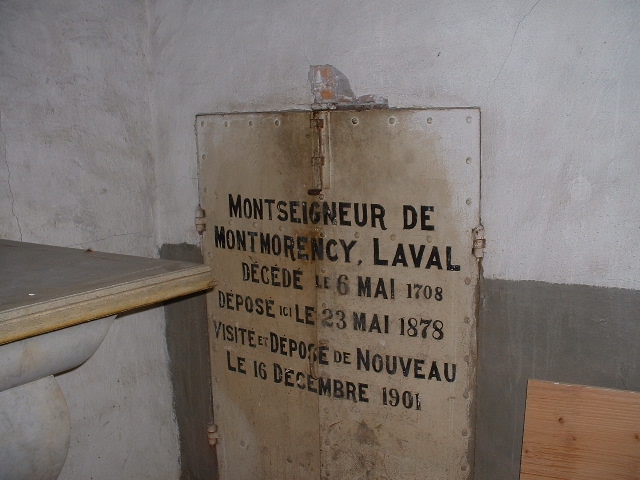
(321, 234)
(467, 281)
(393, 236)
(323, 270)
(429, 239)
(429, 120)
(356, 235)
(354, 120)
(226, 124)
(203, 156)
(463, 468)
(464, 434)
(469, 119)
(202, 123)
(277, 122)
(468, 201)
(465, 395)
(321, 196)
(255, 224)
(251, 123)
(468, 160)
(392, 121)
(467, 320)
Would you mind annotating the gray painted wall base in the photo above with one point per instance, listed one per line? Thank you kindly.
(188, 346)
(565, 333)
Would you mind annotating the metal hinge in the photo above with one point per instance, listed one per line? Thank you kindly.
(321, 152)
(201, 222)
(212, 434)
(479, 242)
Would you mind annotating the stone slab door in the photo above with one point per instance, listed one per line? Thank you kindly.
(342, 329)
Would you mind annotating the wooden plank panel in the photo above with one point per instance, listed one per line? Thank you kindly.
(45, 288)
(575, 432)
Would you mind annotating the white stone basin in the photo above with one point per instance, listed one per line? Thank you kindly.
(34, 418)
(51, 353)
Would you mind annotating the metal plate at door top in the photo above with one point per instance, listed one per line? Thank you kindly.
(343, 326)
(398, 316)
(259, 315)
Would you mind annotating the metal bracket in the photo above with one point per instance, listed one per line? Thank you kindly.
(201, 222)
(212, 434)
(479, 242)
(321, 158)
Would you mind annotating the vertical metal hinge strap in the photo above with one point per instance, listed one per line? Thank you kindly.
(321, 154)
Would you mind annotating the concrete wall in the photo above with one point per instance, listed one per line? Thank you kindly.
(557, 83)
(76, 170)
(188, 344)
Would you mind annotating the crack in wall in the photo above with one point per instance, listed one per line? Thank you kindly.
(104, 238)
(3, 155)
(515, 32)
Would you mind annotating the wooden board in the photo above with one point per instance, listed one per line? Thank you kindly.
(45, 288)
(575, 432)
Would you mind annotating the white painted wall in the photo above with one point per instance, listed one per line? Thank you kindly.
(558, 84)
(76, 169)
